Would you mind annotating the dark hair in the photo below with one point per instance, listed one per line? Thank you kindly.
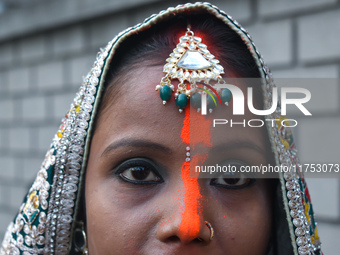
(153, 46)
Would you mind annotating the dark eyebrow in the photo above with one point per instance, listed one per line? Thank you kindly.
(237, 145)
(136, 143)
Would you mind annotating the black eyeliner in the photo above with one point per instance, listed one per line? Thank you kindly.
(145, 162)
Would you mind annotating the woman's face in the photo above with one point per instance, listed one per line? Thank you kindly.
(138, 200)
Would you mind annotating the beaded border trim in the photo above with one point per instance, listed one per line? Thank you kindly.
(69, 160)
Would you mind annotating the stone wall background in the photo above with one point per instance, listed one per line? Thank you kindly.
(47, 46)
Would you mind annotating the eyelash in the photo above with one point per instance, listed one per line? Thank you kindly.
(135, 164)
(145, 163)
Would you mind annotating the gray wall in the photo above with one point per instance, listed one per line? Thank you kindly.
(45, 50)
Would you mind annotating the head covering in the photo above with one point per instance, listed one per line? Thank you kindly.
(46, 221)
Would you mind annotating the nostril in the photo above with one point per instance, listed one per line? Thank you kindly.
(198, 240)
(173, 239)
(176, 239)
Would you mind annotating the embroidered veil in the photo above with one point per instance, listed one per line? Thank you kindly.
(46, 221)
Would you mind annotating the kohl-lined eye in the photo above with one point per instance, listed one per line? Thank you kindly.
(232, 180)
(139, 171)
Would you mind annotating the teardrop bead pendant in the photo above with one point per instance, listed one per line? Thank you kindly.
(182, 101)
(165, 93)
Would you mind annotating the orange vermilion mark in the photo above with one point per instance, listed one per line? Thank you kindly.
(190, 224)
(186, 127)
(199, 129)
(195, 131)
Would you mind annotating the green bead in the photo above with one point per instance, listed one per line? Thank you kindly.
(165, 93)
(226, 95)
(182, 101)
(210, 102)
(195, 100)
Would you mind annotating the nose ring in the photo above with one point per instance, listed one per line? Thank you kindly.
(211, 230)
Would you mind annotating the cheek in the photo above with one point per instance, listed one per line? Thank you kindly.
(114, 227)
(100, 222)
(245, 222)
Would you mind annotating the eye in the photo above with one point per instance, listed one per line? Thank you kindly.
(232, 179)
(139, 171)
(237, 181)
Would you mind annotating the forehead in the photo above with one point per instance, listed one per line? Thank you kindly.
(137, 107)
(136, 111)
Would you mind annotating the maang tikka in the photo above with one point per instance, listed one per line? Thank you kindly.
(192, 64)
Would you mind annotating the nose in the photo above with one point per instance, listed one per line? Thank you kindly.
(188, 225)
(174, 230)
